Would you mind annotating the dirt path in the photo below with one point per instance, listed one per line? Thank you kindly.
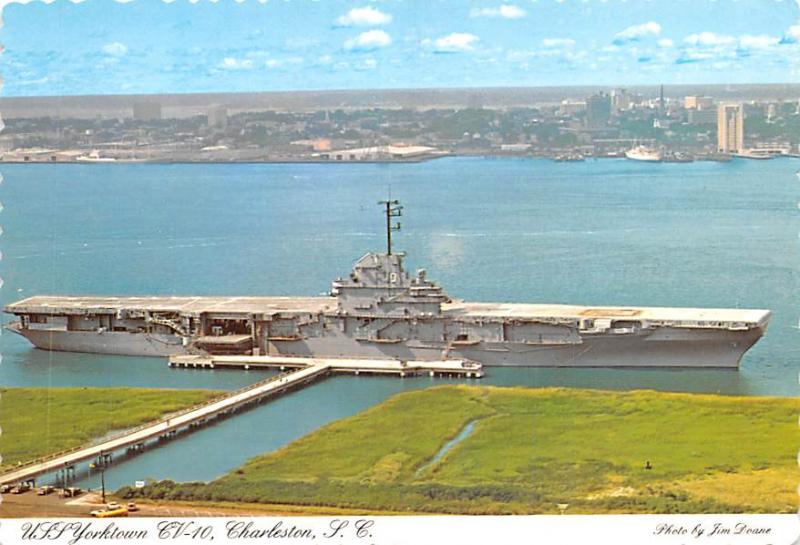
(30, 505)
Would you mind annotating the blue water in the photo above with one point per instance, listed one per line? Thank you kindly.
(608, 232)
(465, 432)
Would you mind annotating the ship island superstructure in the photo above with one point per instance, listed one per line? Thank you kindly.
(382, 311)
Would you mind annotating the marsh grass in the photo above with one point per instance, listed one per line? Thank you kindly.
(531, 450)
(38, 421)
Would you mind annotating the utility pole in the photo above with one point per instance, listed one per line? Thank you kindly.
(102, 479)
(102, 462)
(393, 210)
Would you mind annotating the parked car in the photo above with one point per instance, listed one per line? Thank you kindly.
(20, 488)
(106, 513)
(44, 490)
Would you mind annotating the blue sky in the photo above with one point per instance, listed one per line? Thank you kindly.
(150, 46)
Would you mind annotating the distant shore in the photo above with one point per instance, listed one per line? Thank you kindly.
(409, 160)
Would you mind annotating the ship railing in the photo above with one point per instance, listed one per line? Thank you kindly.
(152, 423)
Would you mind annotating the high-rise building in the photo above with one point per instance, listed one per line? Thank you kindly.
(730, 128)
(621, 100)
(696, 102)
(572, 107)
(598, 110)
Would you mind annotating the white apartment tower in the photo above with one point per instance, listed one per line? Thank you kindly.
(730, 128)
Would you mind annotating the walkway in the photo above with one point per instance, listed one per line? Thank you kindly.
(304, 371)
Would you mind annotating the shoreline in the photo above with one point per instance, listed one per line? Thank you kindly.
(416, 160)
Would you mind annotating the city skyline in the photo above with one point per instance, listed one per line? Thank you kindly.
(143, 46)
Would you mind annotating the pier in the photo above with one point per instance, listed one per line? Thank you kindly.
(356, 366)
(298, 372)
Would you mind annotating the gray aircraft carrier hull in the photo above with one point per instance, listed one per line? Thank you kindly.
(717, 349)
(380, 311)
(685, 349)
(121, 344)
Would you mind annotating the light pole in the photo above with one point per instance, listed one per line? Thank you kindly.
(100, 464)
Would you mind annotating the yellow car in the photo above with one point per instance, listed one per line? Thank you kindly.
(106, 513)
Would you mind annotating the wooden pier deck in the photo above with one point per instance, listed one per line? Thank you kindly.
(302, 371)
(453, 367)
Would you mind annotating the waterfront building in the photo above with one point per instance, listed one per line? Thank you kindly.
(516, 148)
(730, 128)
(380, 153)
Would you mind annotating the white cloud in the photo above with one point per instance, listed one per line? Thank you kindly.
(558, 42)
(39, 81)
(517, 55)
(231, 63)
(368, 16)
(277, 63)
(695, 56)
(665, 43)
(116, 49)
(709, 39)
(637, 32)
(452, 43)
(793, 33)
(563, 55)
(506, 11)
(371, 39)
(762, 41)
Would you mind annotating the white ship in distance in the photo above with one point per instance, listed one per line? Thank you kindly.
(645, 153)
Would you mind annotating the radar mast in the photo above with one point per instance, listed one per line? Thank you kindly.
(393, 209)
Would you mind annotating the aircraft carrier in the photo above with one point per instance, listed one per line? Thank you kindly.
(381, 311)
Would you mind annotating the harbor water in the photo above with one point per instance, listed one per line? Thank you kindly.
(604, 232)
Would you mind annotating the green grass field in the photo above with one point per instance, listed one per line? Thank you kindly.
(38, 421)
(531, 450)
